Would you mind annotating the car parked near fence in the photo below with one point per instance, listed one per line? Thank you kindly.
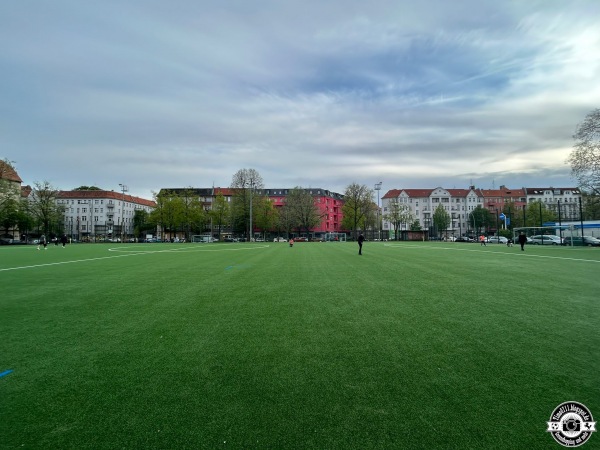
(464, 239)
(546, 239)
(497, 240)
(588, 241)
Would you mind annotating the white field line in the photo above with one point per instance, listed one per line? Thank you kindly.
(183, 249)
(517, 252)
(129, 253)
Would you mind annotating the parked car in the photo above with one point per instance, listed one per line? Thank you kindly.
(279, 239)
(301, 239)
(497, 240)
(546, 239)
(589, 241)
(464, 239)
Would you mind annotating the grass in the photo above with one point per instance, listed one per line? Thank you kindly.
(412, 345)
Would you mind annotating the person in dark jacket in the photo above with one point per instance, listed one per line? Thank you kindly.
(64, 240)
(361, 239)
(522, 240)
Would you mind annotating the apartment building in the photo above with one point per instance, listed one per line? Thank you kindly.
(329, 204)
(99, 214)
(459, 203)
(565, 202)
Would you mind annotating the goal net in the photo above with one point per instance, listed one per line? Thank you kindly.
(531, 231)
(335, 237)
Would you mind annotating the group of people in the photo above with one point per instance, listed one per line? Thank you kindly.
(43, 242)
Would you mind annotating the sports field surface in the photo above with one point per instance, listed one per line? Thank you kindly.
(263, 346)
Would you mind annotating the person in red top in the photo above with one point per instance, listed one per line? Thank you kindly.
(482, 240)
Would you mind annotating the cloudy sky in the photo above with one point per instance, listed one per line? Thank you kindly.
(312, 93)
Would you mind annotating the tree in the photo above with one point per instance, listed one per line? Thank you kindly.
(479, 219)
(170, 212)
(591, 206)
(244, 183)
(441, 218)
(285, 221)
(9, 214)
(193, 217)
(302, 208)
(265, 214)
(87, 188)
(585, 156)
(45, 209)
(415, 226)
(220, 212)
(140, 222)
(398, 214)
(357, 203)
(537, 214)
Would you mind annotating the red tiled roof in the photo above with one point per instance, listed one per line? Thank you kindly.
(459, 192)
(227, 192)
(9, 173)
(106, 194)
(418, 193)
(392, 193)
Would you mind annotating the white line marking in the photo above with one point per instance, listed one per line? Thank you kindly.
(495, 253)
(129, 253)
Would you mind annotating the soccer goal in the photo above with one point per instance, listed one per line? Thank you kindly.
(335, 237)
(531, 231)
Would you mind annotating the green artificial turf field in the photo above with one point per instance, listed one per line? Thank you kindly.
(412, 345)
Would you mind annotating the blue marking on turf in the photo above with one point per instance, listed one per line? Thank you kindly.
(6, 372)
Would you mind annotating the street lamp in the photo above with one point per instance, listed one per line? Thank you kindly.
(378, 188)
(123, 190)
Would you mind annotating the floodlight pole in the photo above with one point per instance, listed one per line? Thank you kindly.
(250, 231)
(378, 188)
(123, 190)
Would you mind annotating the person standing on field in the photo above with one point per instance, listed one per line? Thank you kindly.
(361, 239)
(64, 240)
(482, 240)
(522, 241)
(43, 242)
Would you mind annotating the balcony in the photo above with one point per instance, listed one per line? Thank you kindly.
(110, 206)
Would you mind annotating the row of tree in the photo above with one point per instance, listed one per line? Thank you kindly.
(246, 210)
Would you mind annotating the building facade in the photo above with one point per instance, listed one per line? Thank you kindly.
(565, 202)
(98, 214)
(329, 205)
(459, 203)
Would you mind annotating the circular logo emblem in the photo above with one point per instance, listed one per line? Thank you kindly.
(571, 424)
